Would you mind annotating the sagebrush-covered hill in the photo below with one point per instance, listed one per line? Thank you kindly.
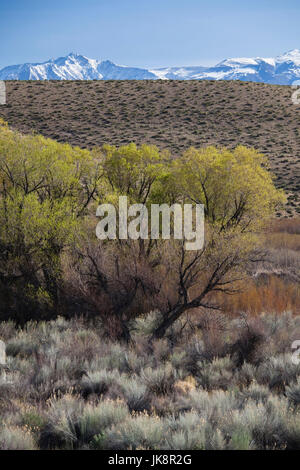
(169, 114)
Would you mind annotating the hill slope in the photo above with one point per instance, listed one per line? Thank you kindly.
(173, 115)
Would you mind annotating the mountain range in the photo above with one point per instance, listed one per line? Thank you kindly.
(281, 70)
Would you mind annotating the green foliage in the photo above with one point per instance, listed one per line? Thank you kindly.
(45, 188)
(48, 196)
(235, 187)
(135, 172)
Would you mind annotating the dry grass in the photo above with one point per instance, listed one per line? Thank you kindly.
(173, 115)
(275, 283)
(286, 226)
(268, 294)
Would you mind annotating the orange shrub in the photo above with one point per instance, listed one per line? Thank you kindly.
(272, 295)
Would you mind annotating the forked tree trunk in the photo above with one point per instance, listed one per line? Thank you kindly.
(168, 321)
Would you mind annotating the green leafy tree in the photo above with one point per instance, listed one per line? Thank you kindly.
(239, 197)
(45, 190)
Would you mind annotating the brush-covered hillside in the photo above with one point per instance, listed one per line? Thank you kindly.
(169, 114)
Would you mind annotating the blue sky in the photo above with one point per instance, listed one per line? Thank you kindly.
(147, 33)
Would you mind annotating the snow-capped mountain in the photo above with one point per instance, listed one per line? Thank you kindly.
(74, 67)
(282, 70)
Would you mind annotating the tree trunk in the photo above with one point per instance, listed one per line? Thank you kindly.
(173, 315)
(51, 285)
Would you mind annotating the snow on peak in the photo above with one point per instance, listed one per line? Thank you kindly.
(246, 61)
(268, 60)
(290, 56)
(237, 62)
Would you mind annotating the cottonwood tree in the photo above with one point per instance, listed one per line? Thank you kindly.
(118, 278)
(45, 190)
(239, 196)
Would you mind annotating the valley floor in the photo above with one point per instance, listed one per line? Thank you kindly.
(228, 384)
